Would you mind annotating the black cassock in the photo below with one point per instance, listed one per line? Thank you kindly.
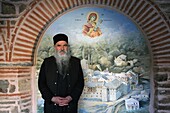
(51, 83)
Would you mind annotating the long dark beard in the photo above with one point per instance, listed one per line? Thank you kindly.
(62, 62)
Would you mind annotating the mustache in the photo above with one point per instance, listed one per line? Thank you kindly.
(62, 51)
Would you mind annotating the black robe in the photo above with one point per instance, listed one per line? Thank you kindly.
(48, 82)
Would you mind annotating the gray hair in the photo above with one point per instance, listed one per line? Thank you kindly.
(63, 61)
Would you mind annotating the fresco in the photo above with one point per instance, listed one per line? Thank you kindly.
(91, 28)
(114, 56)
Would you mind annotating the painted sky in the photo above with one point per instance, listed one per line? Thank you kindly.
(114, 25)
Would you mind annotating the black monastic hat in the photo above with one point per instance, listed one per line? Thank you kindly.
(60, 37)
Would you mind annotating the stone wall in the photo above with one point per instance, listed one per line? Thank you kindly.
(15, 89)
(20, 37)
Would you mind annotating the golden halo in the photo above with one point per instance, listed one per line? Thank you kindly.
(94, 13)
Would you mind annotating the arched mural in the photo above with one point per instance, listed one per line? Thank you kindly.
(114, 57)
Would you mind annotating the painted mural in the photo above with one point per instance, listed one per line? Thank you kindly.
(114, 56)
(91, 28)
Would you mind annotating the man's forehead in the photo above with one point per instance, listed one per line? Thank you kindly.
(61, 42)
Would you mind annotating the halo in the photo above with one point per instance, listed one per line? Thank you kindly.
(95, 13)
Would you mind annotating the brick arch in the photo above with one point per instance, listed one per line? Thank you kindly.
(147, 15)
(154, 24)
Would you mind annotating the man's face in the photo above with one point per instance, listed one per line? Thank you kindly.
(61, 47)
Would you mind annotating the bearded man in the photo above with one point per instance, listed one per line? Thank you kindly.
(61, 79)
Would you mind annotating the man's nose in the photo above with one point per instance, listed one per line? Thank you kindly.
(62, 47)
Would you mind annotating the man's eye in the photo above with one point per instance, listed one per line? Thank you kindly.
(58, 45)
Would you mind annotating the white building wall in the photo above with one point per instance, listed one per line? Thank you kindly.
(104, 94)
